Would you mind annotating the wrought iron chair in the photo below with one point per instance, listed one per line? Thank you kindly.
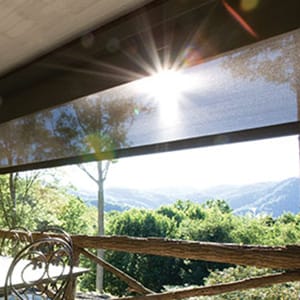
(14, 240)
(41, 270)
(60, 232)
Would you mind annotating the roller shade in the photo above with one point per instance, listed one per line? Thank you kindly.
(248, 93)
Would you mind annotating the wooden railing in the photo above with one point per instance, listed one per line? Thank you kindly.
(285, 258)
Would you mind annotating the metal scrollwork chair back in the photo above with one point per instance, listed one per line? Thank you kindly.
(42, 270)
(14, 240)
(60, 232)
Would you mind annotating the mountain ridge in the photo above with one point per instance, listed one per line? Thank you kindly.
(272, 198)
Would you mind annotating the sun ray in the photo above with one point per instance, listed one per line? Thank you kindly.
(150, 46)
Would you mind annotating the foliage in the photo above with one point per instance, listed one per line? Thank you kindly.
(18, 199)
(75, 217)
(97, 123)
(39, 204)
(212, 221)
(215, 225)
(276, 292)
(152, 271)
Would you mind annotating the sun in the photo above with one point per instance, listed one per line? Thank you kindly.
(164, 85)
(166, 88)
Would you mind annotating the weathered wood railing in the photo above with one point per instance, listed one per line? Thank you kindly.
(286, 258)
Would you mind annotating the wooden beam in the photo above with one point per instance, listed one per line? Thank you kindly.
(257, 282)
(276, 257)
(285, 257)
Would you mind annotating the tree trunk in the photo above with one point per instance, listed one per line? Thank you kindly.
(100, 252)
(12, 191)
(296, 62)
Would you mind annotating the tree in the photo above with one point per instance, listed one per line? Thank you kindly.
(153, 271)
(211, 221)
(16, 198)
(19, 146)
(98, 124)
(275, 292)
(39, 204)
(76, 217)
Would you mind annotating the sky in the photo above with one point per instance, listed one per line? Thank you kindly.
(235, 164)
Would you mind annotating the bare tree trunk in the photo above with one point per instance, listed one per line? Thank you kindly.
(102, 170)
(298, 96)
(100, 252)
(297, 89)
(12, 191)
(296, 79)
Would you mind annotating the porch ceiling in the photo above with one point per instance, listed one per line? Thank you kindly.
(31, 28)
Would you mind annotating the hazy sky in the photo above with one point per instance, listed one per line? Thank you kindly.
(242, 163)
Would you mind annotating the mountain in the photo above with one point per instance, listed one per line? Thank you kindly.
(272, 198)
(122, 198)
(282, 197)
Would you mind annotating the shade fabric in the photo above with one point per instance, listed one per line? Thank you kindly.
(248, 88)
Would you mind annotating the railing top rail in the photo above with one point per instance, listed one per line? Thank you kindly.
(282, 257)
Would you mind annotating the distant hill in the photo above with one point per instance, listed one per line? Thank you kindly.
(279, 198)
(121, 199)
(272, 198)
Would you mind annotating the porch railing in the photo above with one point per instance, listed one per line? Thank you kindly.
(285, 258)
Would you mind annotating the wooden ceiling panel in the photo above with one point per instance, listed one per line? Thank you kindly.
(31, 28)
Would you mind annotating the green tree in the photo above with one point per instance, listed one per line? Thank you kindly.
(22, 141)
(276, 292)
(219, 205)
(16, 198)
(212, 221)
(214, 224)
(38, 204)
(98, 124)
(153, 271)
(181, 210)
(76, 217)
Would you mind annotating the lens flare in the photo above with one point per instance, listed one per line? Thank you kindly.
(101, 146)
(191, 56)
(240, 20)
(248, 5)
